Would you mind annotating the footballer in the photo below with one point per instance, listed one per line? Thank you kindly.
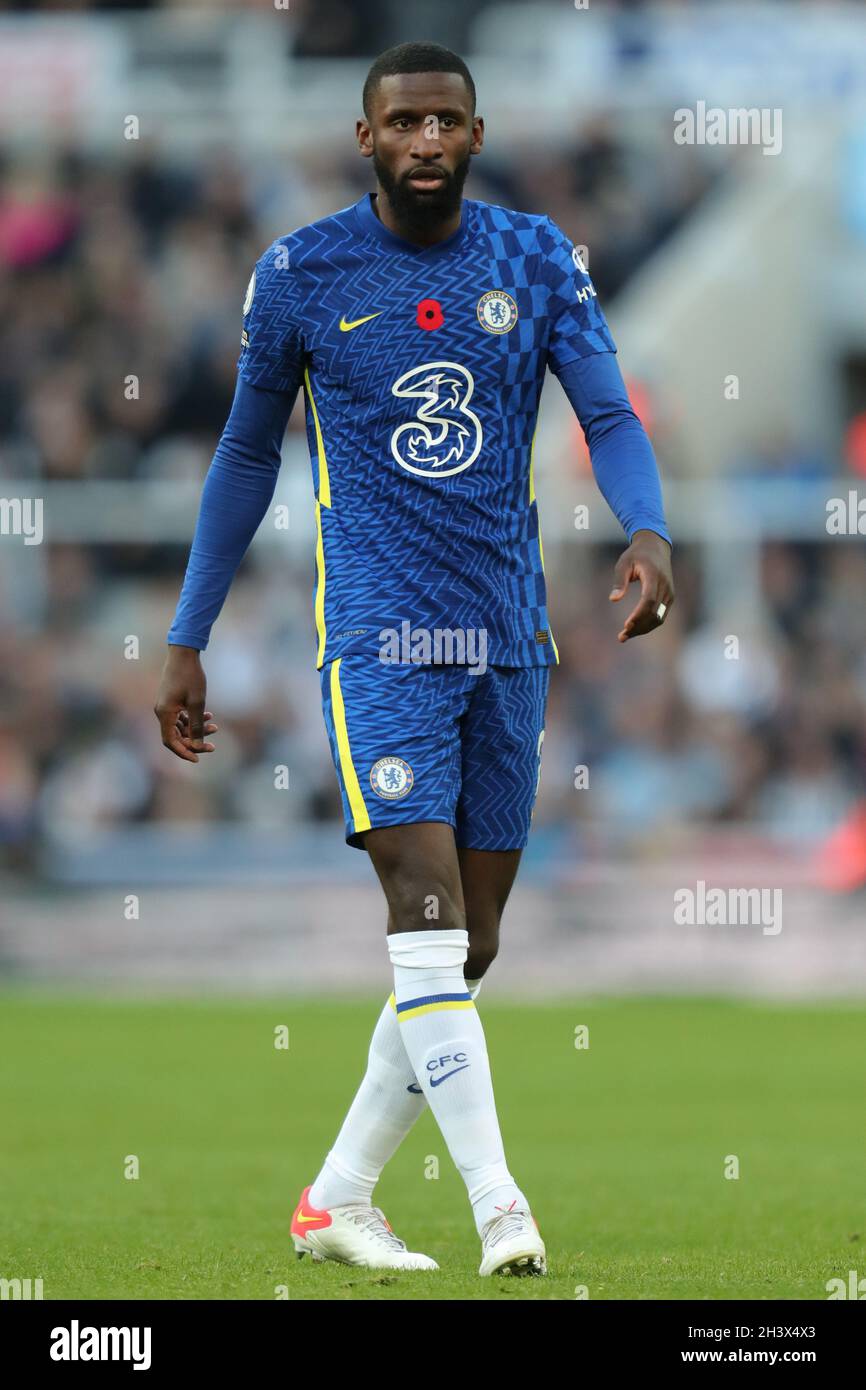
(419, 325)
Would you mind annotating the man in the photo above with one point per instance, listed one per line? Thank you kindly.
(420, 325)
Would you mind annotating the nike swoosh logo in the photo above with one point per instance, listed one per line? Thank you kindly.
(347, 327)
(301, 1217)
(437, 1080)
(416, 1090)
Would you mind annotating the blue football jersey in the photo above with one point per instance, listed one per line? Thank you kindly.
(422, 369)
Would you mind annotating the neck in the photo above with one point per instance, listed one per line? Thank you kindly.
(427, 233)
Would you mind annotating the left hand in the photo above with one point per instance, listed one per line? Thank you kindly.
(647, 560)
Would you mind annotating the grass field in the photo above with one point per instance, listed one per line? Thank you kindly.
(621, 1148)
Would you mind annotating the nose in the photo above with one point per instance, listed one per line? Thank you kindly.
(426, 147)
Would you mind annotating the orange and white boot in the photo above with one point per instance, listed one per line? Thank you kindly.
(512, 1244)
(352, 1235)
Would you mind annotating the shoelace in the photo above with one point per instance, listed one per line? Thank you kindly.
(511, 1224)
(373, 1218)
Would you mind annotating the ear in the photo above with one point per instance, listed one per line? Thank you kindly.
(477, 135)
(364, 137)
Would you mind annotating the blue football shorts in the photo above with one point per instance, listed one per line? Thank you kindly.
(422, 742)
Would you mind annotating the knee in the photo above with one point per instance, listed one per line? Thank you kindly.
(423, 903)
(483, 946)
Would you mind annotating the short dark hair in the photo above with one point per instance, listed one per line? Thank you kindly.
(414, 57)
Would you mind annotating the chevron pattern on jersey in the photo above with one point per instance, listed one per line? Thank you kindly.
(426, 432)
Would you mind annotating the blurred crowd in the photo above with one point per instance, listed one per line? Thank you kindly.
(644, 743)
(332, 28)
(138, 266)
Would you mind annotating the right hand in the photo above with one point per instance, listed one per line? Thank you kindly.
(183, 719)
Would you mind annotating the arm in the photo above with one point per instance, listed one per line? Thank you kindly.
(236, 494)
(622, 457)
(627, 475)
(582, 353)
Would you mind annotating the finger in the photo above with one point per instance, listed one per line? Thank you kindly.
(623, 574)
(195, 709)
(184, 717)
(182, 725)
(644, 619)
(171, 739)
(200, 747)
(644, 616)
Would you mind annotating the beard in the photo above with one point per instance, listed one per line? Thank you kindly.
(414, 209)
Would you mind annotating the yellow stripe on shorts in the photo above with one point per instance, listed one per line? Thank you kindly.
(360, 815)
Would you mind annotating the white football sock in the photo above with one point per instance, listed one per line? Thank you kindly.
(444, 1041)
(378, 1120)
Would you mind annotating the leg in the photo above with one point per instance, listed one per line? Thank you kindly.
(389, 1100)
(500, 774)
(486, 877)
(419, 869)
(367, 709)
(418, 865)
(501, 740)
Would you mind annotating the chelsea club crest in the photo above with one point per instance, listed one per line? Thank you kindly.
(497, 311)
(391, 778)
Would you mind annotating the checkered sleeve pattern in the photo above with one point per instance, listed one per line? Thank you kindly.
(578, 327)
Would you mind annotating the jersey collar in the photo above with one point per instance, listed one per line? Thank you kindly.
(370, 223)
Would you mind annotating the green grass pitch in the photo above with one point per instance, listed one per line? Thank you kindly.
(621, 1147)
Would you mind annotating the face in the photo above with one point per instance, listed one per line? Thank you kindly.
(421, 136)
